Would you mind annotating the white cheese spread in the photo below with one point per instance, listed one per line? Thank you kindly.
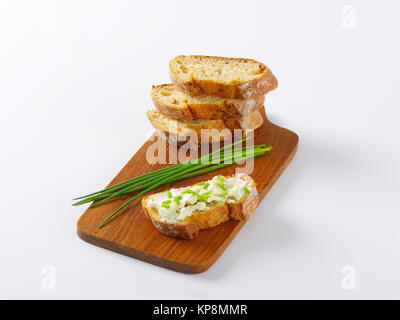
(177, 204)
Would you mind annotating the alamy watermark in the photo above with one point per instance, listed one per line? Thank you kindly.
(48, 16)
(348, 281)
(349, 17)
(170, 148)
(49, 277)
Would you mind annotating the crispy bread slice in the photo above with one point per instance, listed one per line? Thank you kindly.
(176, 104)
(217, 213)
(218, 129)
(233, 78)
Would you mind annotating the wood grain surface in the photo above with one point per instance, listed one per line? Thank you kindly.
(132, 234)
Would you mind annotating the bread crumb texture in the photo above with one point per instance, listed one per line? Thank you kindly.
(219, 69)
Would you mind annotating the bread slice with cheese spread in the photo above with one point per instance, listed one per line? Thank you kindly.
(176, 104)
(182, 212)
(233, 78)
(216, 130)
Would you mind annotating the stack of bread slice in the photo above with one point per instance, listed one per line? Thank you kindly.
(214, 95)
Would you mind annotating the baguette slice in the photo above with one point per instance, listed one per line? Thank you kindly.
(218, 130)
(176, 104)
(232, 78)
(184, 220)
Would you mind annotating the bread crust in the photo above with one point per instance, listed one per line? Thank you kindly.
(183, 114)
(190, 227)
(234, 90)
(244, 209)
(222, 109)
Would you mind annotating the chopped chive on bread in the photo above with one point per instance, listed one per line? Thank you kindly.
(182, 212)
(233, 78)
(218, 130)
(176, 104)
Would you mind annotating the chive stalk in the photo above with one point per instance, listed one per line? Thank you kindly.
(151, 180)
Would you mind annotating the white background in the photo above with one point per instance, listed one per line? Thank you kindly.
(75, 78)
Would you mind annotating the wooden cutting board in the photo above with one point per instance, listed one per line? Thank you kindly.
(132, 234)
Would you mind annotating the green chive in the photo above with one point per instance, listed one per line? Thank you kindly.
(151, 180)
(221, 185)
(222, 195)
(246, 190)
(155, 185)
(204, 196)
(147, 177)
(177, 198)
(165, 204)
(189, 191)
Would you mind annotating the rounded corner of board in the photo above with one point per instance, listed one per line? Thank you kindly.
(81, 234)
